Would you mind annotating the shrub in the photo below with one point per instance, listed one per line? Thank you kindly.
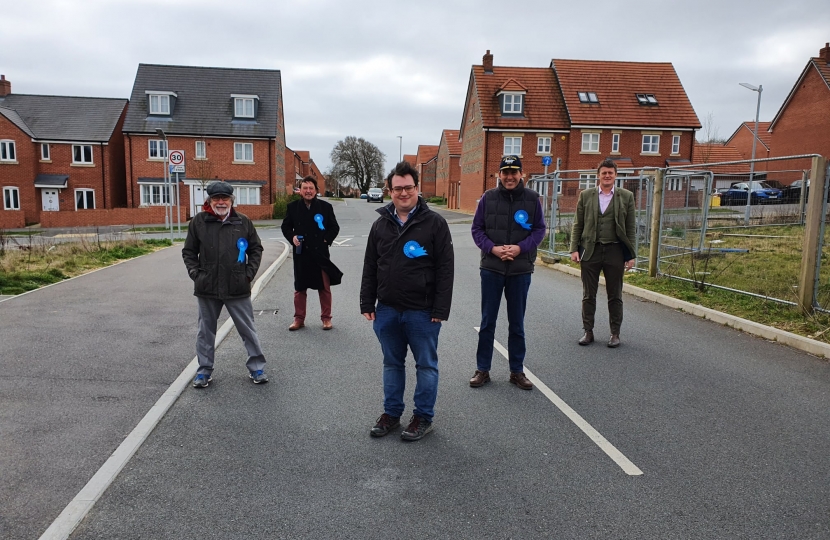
(281, 204)
(437, 200)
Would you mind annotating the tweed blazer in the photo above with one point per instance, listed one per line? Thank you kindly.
(584, 232)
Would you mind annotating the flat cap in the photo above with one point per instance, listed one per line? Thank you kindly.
(220, 188)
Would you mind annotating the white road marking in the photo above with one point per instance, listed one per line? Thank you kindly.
(345, 239)
(610, 450)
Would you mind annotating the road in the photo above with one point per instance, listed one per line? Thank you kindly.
(726, 435)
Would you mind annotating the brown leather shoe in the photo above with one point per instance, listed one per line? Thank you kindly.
(480, 378)
(327, 325)
(521, 380)
(587, 339)
(296, 325)
(614, 342)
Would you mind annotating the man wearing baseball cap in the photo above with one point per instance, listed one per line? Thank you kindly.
(508, 226)
(222, 253)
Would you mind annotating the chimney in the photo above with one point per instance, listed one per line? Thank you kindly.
(5, 86)
(488, 62)
(825, 53)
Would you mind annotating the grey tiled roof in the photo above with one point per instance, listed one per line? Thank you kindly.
(203, 104)
(67, 118)
(51, 180)
(15, 119)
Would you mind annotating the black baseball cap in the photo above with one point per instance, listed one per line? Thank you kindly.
(510, 162)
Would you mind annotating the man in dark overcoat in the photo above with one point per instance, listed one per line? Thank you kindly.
(311, 227)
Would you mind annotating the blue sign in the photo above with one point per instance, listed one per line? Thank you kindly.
(546, 161)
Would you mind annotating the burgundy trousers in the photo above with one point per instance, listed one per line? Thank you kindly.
(301, 298)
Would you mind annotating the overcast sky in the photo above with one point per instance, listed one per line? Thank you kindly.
(380, 69)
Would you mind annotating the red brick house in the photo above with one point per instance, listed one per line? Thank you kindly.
(61, 158)
(229, 124)
(576, 111)
(725, 175)
(412, 159)
(425, 162)
(298, 165)
(448, 170)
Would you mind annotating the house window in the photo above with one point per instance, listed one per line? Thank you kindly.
(543, 145)
(646, 99)
(512, 146)
(11, 198)
(159, 104)
(82, 153)
(588, 97)
(615, 143)
(651, 144)
(246, 195)
(243, 151)
(674, 184)
(44, 152)
(512, 104)
(675, 144)
(7, 152)
(590, 142)
(84, 199)
(587, 180)
(200, 150)
(243, 107)
(158, 149)
(154, 194)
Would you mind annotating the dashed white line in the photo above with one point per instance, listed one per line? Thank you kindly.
(610, 450)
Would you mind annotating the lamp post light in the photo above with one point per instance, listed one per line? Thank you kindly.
(167, 185)
(759, 89)
(400, 148)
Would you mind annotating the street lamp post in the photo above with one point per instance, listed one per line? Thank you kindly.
(759, 89)
(167, 185)
(400, 148)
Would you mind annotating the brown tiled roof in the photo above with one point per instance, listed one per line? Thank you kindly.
(616, 85)
(513, 85)
(412, 159)
(719, 153)
(453, 144)
(764, 135)
(543, 105)
(426, 152)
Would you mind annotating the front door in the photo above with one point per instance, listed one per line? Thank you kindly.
(50, 200)
(197, 198)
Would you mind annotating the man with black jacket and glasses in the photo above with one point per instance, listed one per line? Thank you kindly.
(406, 291)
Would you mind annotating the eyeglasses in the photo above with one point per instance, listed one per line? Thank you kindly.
(221, 197)
(399, 189)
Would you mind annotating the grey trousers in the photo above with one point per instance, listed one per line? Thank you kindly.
(241, 311)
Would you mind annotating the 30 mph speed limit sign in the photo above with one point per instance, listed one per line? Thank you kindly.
(176, 157)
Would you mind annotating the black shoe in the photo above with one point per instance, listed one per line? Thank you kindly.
(417, 429)
(614, 341)
(385, 424)
(202, 380)
(258, 376)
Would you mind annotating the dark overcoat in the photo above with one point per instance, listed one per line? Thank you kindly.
(299, 221)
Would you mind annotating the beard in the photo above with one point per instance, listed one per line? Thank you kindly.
(221, 211)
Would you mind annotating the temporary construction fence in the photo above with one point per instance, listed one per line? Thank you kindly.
(692, 226)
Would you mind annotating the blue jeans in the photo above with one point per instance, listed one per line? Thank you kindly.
(396, 331)
(515, 292)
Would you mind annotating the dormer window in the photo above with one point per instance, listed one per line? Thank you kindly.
(511, 103)
(245, 106)
(646, 99)
(588, 97)
(159, 102)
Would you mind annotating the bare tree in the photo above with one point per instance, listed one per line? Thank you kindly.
(357, 162)
(710, 137)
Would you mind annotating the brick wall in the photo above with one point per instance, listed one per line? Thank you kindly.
(631, 144)
(19, 174)
(11, 219)
(92, 218)
(804, 126)
(472, 154)
(427, 179)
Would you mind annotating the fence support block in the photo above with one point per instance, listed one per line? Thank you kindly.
(815, 205)
(657, 205)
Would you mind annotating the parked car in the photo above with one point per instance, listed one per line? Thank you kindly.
(792, 193)
(374, 194)
(363, 196)
(762, 193)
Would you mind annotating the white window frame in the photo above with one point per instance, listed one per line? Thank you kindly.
(201, 145)
(512, 146)
(543, 145)
(241, 154)
(674, 184)
(250, 194)
(8, 152)
(513, 105)
(154, 195)
(11, 198)
(590, 143)
(162, 104)
(615, 143)
(651, 144)
(675, 144)
(157, 147)
(587, 180)
(85, 191)
(83, 160)
(240, 107)
(45, 152)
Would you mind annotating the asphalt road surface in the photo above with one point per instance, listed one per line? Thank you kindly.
(688, 430)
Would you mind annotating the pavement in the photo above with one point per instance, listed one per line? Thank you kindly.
(726, 430)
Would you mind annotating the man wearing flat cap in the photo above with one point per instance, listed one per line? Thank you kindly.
(222, 253)
(508, 226)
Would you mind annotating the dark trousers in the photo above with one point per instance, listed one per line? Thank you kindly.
(609, 259)
(515, 289)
